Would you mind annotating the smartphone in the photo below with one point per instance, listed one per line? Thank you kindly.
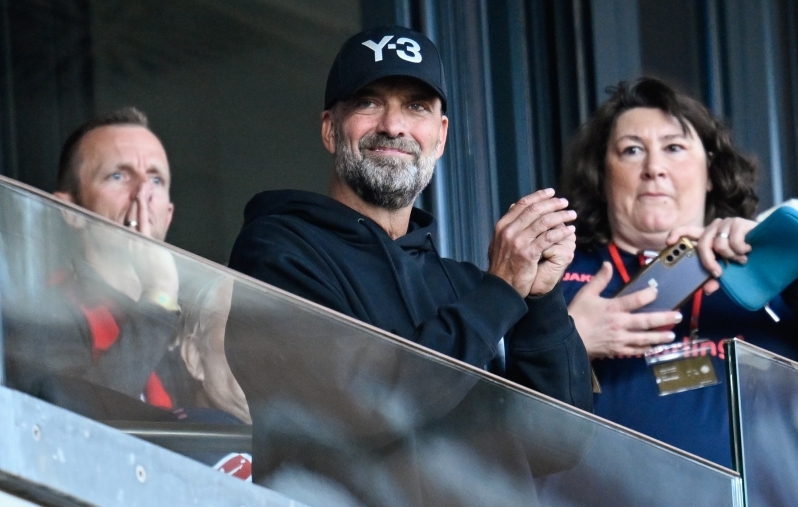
(676, 273)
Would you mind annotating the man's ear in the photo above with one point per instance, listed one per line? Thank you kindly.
(328, 131)
(170, 214)
(444, 132)
(193, 359)
(64, 196)
(70, 217)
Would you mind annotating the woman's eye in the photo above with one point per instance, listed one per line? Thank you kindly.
(631, 150)
(674, 147)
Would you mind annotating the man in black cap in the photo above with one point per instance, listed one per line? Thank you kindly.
(365, 251)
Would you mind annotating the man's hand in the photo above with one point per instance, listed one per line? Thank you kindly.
(607, 327)
(138, 215)
(553, 263)
(532, 241)
(724, 237)
(157, 272)
(154, 265)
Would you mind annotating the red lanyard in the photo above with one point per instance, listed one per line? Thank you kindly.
(621, 268)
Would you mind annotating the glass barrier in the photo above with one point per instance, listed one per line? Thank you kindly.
(343, 413)
(764, 412)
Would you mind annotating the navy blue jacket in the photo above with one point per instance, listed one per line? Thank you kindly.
(698, 420)
(324, 251)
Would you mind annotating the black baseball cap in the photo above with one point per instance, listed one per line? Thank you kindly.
(382, 52)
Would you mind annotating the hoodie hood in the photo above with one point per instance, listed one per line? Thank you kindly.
(329, 214)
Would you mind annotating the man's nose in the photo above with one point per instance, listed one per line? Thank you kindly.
(141, 188)
(392, 121)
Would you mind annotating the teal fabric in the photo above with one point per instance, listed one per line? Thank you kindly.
(772, 263)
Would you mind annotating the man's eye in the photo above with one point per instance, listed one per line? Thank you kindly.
(117, 176)
(157, 180)
(365, 103)
(417, 106)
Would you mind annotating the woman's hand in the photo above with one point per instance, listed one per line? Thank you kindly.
(724, 237)
(608, 328)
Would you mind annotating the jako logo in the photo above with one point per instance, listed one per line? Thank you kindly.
(577, 277)
(410, 46)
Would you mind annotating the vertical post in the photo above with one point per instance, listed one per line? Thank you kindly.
(464, 193)
(516, 165)
(754, 89)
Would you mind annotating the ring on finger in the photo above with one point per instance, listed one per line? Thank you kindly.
(723, 234)
(130, 223)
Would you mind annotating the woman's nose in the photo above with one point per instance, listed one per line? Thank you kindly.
(654, 165)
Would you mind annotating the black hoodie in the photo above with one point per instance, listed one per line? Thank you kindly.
(324, 251)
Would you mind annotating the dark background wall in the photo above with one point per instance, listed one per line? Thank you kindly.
(234, 89)
(671, 43)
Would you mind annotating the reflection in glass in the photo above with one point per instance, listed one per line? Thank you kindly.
(343, 413)
(202, 349)
(106, 313)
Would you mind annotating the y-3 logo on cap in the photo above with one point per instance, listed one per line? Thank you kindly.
(410, 53)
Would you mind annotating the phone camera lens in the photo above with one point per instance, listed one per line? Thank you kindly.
(669, 258)
(682, 247)
(676, 253)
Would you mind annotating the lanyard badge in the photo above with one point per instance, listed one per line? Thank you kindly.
(682, 366)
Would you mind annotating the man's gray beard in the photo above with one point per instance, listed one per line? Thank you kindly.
(388, 182)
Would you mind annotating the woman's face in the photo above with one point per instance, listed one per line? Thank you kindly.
(656, 178)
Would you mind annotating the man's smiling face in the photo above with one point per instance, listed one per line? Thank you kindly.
(386, 140)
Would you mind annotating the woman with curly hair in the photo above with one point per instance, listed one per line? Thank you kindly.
(650, 166)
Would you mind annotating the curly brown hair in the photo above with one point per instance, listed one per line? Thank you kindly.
(731, 173)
